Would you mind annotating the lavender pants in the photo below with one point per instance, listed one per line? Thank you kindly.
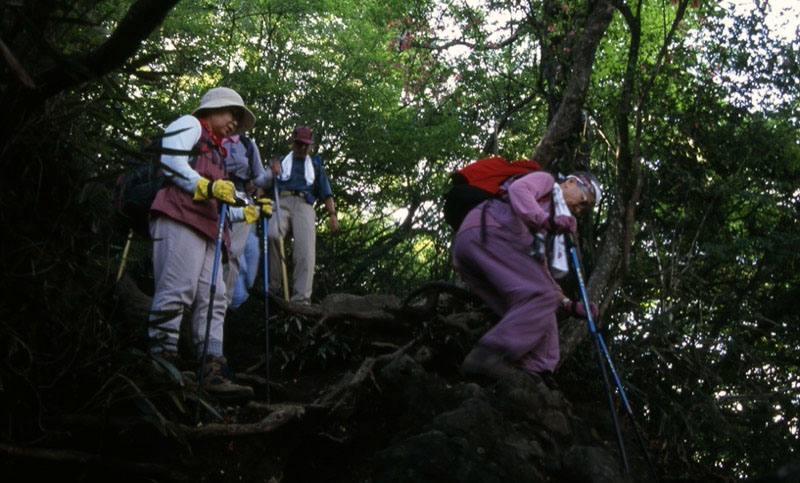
(519, 289)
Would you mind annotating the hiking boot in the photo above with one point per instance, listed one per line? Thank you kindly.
(219, 382)
(485, 361)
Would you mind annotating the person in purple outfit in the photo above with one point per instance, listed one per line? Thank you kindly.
(501, 256)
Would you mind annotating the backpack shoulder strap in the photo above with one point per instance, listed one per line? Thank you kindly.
(249, 146)
(316, 162)
(206, 142)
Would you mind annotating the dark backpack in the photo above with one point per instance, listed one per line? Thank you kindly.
(480, 181)
(137, 187)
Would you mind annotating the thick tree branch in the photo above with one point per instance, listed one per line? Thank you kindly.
(569, 110)
(491, 143)
(472, 45)
(142, 18)
(612, 262)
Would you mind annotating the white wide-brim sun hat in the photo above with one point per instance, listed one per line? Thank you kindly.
(226, 97)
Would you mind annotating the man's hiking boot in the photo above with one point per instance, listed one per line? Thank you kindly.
(218, 381)
(485, 361)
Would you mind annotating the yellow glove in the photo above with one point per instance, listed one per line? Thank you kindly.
(222, 190)
(251, 213)
(266, 206)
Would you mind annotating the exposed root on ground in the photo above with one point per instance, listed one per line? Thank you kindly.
(280, 415)
(341, 392)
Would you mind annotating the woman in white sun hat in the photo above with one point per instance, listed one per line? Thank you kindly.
(183, 223)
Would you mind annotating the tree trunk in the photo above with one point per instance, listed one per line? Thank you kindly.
(559, 131)
(568, 114)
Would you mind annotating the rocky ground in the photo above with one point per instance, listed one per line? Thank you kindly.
(362, 389)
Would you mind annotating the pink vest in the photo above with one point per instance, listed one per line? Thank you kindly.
(202, 216)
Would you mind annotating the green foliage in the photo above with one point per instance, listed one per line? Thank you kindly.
(706, 322)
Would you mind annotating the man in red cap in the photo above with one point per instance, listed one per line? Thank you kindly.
(302, 181)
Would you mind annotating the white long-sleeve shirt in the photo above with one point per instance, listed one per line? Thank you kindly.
(187, 131)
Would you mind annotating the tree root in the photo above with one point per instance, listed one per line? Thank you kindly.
(136, 304)
(433, 290)
(342, 391)
(281, 414)
(378, 317)
(469, 322)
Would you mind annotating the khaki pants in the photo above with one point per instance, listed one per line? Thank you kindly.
(299, 219)
(183, 262)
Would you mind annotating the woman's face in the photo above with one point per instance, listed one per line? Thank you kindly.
(578, 197)
(223, 121)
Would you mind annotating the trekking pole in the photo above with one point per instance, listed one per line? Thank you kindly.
(125, 255)
(265, 267)
(217, 252)
(614, 373)
(595, 336)
(627, 406)
(282, 253)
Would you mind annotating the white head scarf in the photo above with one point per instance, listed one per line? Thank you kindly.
(591, 185)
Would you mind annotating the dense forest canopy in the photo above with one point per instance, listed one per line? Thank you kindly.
(685, 109)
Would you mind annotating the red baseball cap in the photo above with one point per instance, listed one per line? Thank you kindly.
(303, 134)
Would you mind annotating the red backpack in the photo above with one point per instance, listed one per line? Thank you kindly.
(478, 182)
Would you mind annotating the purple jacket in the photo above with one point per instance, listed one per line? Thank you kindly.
(528, 208)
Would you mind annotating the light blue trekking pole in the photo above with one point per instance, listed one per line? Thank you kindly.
(223, 207)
